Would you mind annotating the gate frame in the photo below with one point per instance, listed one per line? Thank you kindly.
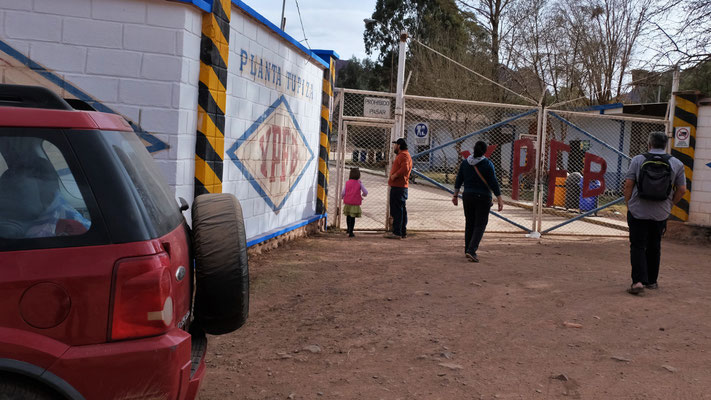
(525, 111)
(541, 170)
(343, 122)
(541, 149)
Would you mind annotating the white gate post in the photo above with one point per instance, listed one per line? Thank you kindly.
(400, 95)
(672, 108)
(340, 160)
(544, 138)
(399, 130)
(537, 167)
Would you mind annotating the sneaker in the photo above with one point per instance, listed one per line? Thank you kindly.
(652, 286)
(391, 235)
(635, 290)
(351, 234)
(472, 257)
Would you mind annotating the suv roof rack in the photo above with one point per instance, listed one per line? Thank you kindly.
(80, 105)
(31, 97)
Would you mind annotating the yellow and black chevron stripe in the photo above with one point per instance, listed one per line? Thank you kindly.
(212, 98)
(329, 80)
(685, 114)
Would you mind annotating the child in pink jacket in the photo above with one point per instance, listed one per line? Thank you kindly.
(353, 193)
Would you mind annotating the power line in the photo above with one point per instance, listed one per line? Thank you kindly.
(302, 24)
(529, 100)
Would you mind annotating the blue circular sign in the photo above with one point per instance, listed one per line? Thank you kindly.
(421, 130)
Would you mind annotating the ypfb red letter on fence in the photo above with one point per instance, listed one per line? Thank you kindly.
(589, 175)
(519, 169)
(553, 171)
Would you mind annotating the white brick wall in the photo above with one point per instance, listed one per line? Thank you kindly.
(150, 39)
(15, 5)
(119, 11)
(112, 63)
(700, 206)
(75, 8)
(31, 26)
(91, 33)
(138, 57)
(141, 58)
(60, 56)
(248, 99)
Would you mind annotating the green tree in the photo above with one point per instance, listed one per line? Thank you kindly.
(361, 74)
(440, 25)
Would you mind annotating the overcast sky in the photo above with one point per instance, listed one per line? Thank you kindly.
(333, 25)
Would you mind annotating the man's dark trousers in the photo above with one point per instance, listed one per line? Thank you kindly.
(645, 248)
(398, 197)
(476, 214)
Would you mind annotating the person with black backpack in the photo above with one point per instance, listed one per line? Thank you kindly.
(654, 182)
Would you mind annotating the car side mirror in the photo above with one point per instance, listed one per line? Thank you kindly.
(183, 204)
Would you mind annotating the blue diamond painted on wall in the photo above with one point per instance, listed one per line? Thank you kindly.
(273, 154)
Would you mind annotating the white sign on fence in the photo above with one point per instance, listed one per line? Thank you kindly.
(422, 134)
(375, 107)
(682, 136)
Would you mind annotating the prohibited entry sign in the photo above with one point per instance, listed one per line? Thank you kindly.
(682, 136)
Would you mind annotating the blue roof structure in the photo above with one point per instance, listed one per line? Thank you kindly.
(326, 54)
(206, 5)
(602, 107)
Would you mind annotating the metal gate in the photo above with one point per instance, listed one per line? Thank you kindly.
(560, 171)
(364, 129)
(583, 171)
(441, 133)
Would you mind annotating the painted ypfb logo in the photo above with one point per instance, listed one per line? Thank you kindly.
(273, 154)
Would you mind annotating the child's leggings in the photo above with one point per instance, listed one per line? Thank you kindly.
(351, 223)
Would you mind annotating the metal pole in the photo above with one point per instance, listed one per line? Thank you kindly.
(340, 150)
(544, 132)
(282, 21)
(537, 168)
(341, 173)
(387, 174)
(672, 108)
(400, 95)
(399, 128)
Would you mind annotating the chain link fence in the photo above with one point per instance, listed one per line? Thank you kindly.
(572, 185)
(442, 133)
(586, 159)
(363, 128)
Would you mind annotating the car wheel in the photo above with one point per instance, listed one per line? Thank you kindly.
(21, 388)
(221, 267)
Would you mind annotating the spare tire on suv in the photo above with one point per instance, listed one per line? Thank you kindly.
(222, 273)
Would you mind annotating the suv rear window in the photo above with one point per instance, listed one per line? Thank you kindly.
(39, 194)
(158, 200)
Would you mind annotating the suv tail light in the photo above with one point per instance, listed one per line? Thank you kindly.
(142, 301)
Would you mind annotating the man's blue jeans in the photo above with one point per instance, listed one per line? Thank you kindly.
(398, 197)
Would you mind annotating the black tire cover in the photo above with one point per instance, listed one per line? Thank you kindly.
(222, 272)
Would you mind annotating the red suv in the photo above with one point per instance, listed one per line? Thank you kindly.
(98, 266)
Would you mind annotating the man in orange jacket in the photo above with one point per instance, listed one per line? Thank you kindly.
(398, 180)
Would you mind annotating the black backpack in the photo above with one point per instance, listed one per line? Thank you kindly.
(655, 177)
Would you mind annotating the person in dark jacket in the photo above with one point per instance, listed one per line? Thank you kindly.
(478, 176)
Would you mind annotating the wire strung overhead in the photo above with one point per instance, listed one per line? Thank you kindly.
(298, 10)
(529, 100)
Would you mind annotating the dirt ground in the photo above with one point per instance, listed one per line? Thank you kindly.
(371, 318)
